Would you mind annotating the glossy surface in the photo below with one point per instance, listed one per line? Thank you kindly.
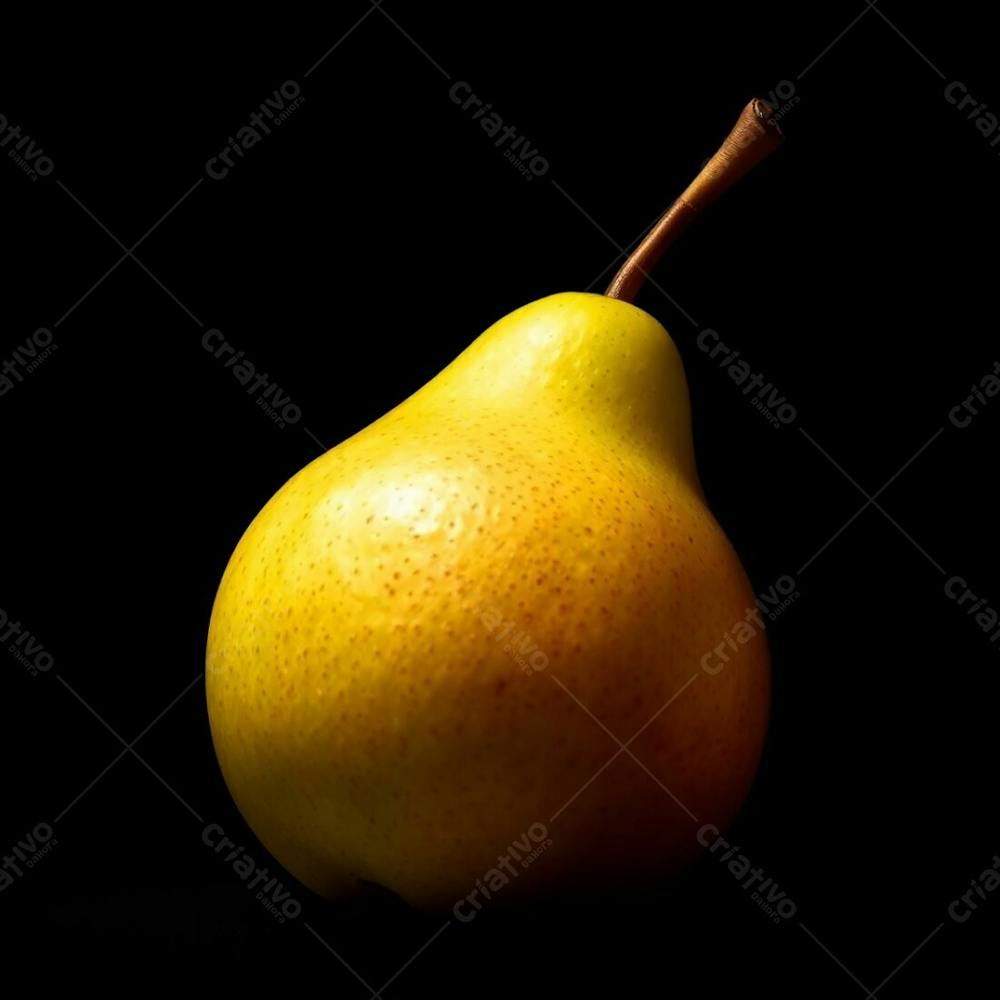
(409, 641)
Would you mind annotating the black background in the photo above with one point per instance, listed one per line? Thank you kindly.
(352, 254)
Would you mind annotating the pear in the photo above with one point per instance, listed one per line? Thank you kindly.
(480, 648)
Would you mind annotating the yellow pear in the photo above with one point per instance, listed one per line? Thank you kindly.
(429, 648)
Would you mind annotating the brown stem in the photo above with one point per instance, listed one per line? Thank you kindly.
(754, 136)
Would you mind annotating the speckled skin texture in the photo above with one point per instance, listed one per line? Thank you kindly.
(369, 716)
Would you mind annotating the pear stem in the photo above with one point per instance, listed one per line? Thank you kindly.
(754, 136)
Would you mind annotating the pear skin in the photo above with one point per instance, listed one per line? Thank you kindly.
(433, 637)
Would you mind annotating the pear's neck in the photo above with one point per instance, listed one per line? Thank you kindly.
(583, 363)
